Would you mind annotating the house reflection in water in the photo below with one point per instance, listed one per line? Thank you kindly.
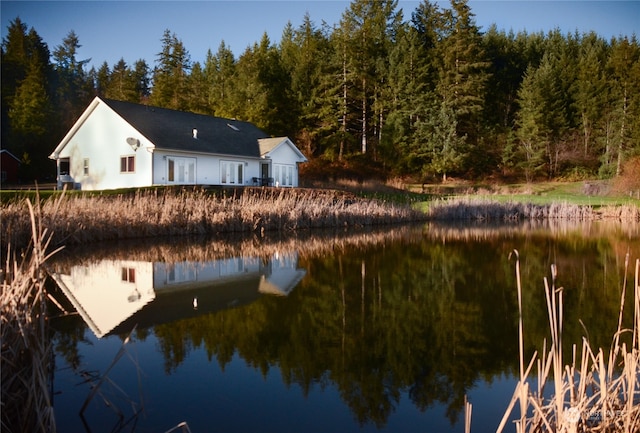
(113, 296)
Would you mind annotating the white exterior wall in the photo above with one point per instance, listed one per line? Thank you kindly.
(284, 156)
(207, 168)
(102, 141)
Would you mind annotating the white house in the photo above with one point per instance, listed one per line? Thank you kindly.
(117, 144)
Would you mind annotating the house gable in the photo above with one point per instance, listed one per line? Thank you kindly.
(74, 129)
(103, 151)
(270, 147)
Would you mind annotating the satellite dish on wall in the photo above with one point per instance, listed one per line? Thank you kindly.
(133, 142)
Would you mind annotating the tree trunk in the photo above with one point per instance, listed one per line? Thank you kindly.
(622, 133)
(364, 116)
(344, 102)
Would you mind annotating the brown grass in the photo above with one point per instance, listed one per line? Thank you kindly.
(482, 209)
(83, 219)
(628, 183)
(594, 392)
(26, 351)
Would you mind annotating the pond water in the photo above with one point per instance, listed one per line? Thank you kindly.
(386, 330)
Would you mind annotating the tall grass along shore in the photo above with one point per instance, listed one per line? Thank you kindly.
(77, 219)
(86, 218)
(595, 391)
(27, 355)
(474, 208)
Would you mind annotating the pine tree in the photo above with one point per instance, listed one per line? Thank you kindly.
(590, 91)
(27, 112)
(367, 28)
(122, 84)
(411, 100)
(170, 76)
(142, 80)
(534, 130)
(100, 79)
(198, 101)
(262, 89)
(624, 81)
(74, 90)
(464, 75)
(304, 51)
(437, 140)
(219, 70)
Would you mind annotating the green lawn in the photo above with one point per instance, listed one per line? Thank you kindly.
(539, 193)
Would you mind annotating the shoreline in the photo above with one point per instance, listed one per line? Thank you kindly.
(76, 219)
(83, 219)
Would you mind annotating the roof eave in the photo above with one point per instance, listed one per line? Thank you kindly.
(202, 152)
(303, 158)
(83, 117)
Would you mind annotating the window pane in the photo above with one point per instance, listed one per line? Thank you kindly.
(232, 174)
(181, 171)
(240, 180)
(123, 164)
(64, 166)
(192, 172)
(171, 170)
(132, 164)
(223, 172)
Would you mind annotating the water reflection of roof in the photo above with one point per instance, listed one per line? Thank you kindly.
(168, 307)
(281, 284)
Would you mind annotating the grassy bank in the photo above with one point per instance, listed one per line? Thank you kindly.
(570, 201)
(76, 219)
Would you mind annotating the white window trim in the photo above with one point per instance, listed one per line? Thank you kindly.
(128, 171)
(283, 174)
(233, 169)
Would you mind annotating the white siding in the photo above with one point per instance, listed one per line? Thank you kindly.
(284, 165)
(207, 168)
(96, 149)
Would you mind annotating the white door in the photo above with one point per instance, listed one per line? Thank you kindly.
(181, 171)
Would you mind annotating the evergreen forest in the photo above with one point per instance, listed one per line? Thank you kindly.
(423, 94)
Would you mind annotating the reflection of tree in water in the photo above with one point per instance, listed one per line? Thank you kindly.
(428, 315)
(374, 323)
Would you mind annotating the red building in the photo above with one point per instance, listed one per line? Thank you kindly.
(9, 164)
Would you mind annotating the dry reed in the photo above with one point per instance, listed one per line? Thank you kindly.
(26, 351)
(84, 219)
(471, 208)
(593, 393)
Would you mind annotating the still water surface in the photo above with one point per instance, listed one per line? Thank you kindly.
(384, 330)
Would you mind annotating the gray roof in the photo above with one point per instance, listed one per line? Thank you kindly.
(173, 130)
